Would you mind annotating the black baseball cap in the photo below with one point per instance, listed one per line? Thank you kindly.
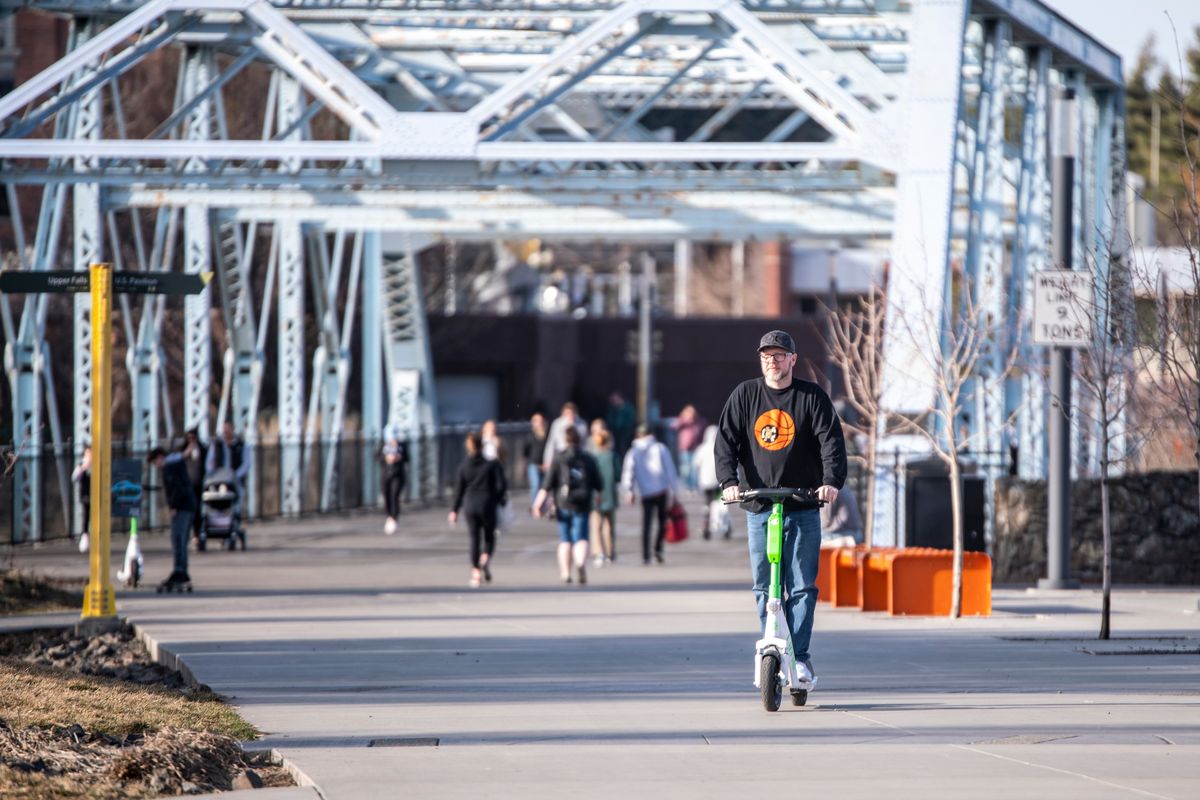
(779, 339)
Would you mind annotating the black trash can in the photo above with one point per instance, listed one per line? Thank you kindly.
(927, 513)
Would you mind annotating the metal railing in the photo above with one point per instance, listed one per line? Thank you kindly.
(60, 515)
(430, 480)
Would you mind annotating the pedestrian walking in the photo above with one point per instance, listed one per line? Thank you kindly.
(394, 455)
(556, 440)
(181, 500)
(480, 489)
(82, 475)
(573, 480)
(716, 515)
(621, 419)
(649, 474)
(493, 445)
(604, 515)
(229, 451)
(531, 451)
(841, 522)
(597, 427)
(689, 430)
(783, 432)
(196, 462)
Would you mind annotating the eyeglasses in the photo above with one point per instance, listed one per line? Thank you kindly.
(778, 358)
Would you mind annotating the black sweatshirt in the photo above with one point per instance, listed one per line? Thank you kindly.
(481, 486)
(780, 438)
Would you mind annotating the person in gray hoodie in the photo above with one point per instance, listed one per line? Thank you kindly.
(649, 473)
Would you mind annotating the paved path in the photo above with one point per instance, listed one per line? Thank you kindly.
(331, 636)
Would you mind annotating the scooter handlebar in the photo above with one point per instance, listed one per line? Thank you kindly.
(803, 495)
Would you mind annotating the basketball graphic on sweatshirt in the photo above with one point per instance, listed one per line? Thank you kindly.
(774, 429)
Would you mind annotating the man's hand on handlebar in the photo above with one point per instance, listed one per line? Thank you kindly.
(827, 494)
(731, 494)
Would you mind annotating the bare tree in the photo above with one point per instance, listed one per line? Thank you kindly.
(956, 345)
(855, 344)
(1105, 377)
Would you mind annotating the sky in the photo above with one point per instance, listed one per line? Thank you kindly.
(1123, 25)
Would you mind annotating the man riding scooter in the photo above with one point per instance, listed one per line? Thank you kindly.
(782, 431)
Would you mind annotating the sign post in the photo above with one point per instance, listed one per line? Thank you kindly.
(1063, 333)
(99, 599)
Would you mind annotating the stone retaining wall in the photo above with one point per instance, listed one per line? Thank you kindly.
(1155, 530)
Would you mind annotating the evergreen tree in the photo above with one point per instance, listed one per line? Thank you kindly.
(1177, 98)
(1139, 111)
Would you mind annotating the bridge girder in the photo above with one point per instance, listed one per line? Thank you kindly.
(548, 118)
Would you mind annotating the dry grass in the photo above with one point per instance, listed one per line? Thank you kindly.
(43, 697)
(61, 763)
(68, 735)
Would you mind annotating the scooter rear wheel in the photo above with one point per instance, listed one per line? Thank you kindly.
(799, 697)
(768, 681)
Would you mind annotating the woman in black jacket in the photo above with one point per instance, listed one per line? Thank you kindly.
(481, 489)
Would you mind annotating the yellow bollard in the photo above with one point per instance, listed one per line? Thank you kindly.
(99, 600)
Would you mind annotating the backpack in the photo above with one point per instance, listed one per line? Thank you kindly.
(573, 488)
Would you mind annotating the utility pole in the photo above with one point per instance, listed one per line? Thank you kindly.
(645, 370)
(1058, 533)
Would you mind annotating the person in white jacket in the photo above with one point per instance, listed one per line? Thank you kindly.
(649, 473)
(716, 516)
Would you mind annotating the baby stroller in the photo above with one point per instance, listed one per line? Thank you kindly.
(220, 512)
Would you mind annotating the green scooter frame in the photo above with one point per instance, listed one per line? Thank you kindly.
(774, 665)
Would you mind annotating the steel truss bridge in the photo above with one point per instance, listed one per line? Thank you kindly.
(386, 125)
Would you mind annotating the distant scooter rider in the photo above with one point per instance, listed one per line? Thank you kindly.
(182, 502)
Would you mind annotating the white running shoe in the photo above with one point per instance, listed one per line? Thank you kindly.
(389, 527)
(805, 673)
(84, 542)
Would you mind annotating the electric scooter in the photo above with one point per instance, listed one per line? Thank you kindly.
(774, 666)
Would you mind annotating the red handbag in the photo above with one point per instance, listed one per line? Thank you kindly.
(677, 524)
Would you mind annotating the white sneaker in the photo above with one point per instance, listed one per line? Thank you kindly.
(84, 542)
(389, 527)
(805, 673)
(598, 561)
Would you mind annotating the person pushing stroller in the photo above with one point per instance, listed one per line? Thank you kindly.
(225, 471)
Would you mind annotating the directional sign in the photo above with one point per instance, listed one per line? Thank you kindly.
(1063, 300)
(42, 281)
(126, 487)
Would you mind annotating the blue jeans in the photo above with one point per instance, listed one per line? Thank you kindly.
(798, 571)
(534, 473)
(181, 529)
(572, 526)
(687, 468)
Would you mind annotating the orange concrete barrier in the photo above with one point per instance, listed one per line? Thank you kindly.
(920, 581)
(844, 582)
(825, 575)
(874, 569)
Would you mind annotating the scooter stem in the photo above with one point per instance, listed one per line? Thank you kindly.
(775, 548)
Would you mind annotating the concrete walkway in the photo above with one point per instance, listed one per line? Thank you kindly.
(377, 673)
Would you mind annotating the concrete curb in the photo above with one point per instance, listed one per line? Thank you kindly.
(23, 623)
(171, 660)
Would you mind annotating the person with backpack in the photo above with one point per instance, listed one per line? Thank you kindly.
(573, 480)
(649, 473)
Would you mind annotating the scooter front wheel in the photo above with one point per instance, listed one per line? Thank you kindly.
(768, 681)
